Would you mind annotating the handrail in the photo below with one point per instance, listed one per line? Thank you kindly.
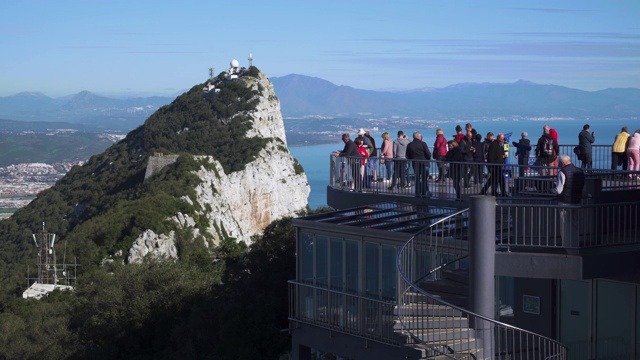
(397, 177)
(454, 328)
(577, 226)
(347, 312)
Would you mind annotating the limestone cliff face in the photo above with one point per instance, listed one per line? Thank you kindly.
(242, 203)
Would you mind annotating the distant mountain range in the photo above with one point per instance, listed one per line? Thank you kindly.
(303, 95)
(86, 108)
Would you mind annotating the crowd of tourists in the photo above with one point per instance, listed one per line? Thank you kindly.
(468, 160)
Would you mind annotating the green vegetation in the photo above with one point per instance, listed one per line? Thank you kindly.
(201, 306)
(192, 308)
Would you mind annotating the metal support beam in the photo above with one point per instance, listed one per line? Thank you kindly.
(482, 248)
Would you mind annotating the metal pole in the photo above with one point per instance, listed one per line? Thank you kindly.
(482, 247)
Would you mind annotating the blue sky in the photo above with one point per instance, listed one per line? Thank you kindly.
(163, 47)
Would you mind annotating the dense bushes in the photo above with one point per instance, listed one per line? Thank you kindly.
(212, 124)
(232, 308)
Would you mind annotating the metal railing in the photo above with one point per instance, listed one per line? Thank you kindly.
(349, 313)
(567, 226)
(455, 180)
(444, 328)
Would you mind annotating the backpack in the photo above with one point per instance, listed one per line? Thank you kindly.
(547, 147)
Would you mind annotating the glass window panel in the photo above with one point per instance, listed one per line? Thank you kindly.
(351, 265)
(305, 252)
(389, 272)
(372, 269)
(336, 267)
(322, 260)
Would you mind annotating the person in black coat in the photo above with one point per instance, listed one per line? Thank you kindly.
(523, 147)
(353, 157)
(478, 159)
(585, 139)
(466, 145)
(495, 158)
(454, 157)
(418, 151)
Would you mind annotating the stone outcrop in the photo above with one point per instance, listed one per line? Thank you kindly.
(150, 245)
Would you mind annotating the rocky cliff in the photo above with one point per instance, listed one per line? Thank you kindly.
(239, 204)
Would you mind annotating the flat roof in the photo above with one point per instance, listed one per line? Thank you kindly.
(387, 216)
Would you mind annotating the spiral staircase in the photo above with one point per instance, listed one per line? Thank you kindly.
(434, 297)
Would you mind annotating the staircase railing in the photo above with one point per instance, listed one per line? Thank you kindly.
(443, 328)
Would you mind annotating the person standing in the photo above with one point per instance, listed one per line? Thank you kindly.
(585, 139)
(418, 151)
(569, 185)
(468, 127)
(373, 154)
(554, 135)
(454, 157)
(399, 162)
(495, 158)
(386, 153)
(478, 159)
(363, 178)
(350, 151)
(439, 153)
(633, 153)
(619, 149)
(546, 150)
(523, 147)
(466, 145)
(459, 134)
(361, 137)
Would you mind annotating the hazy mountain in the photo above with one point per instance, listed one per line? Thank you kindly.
(85, 108)
(303, 95)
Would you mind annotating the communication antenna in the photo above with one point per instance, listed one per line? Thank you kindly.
(250, 59)
(211, 73)
(47, 279)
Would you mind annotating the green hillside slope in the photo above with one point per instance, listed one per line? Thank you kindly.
(142, 310)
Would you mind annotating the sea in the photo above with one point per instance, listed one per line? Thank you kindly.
(315, 159)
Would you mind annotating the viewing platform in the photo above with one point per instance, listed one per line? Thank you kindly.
(440, 272)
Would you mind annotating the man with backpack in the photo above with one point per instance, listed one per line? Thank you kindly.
(547, 150)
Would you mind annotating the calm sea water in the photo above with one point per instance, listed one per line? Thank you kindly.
(315, 158)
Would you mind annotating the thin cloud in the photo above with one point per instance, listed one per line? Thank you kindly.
(162, 52)
(86, 47)
(551, 10)
(591, 35)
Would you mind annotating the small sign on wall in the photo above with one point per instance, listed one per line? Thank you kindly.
(531, 304)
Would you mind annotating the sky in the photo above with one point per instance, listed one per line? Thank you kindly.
(143, 48)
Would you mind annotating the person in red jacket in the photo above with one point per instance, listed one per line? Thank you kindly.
(554, 135)
(439, 152)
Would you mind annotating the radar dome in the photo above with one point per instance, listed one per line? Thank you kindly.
(235, 63)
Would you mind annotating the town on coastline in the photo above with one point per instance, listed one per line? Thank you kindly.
(21, 183)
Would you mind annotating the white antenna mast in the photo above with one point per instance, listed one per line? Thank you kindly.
(250, 59)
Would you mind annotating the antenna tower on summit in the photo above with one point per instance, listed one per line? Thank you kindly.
(211, 73)
(250, 59)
